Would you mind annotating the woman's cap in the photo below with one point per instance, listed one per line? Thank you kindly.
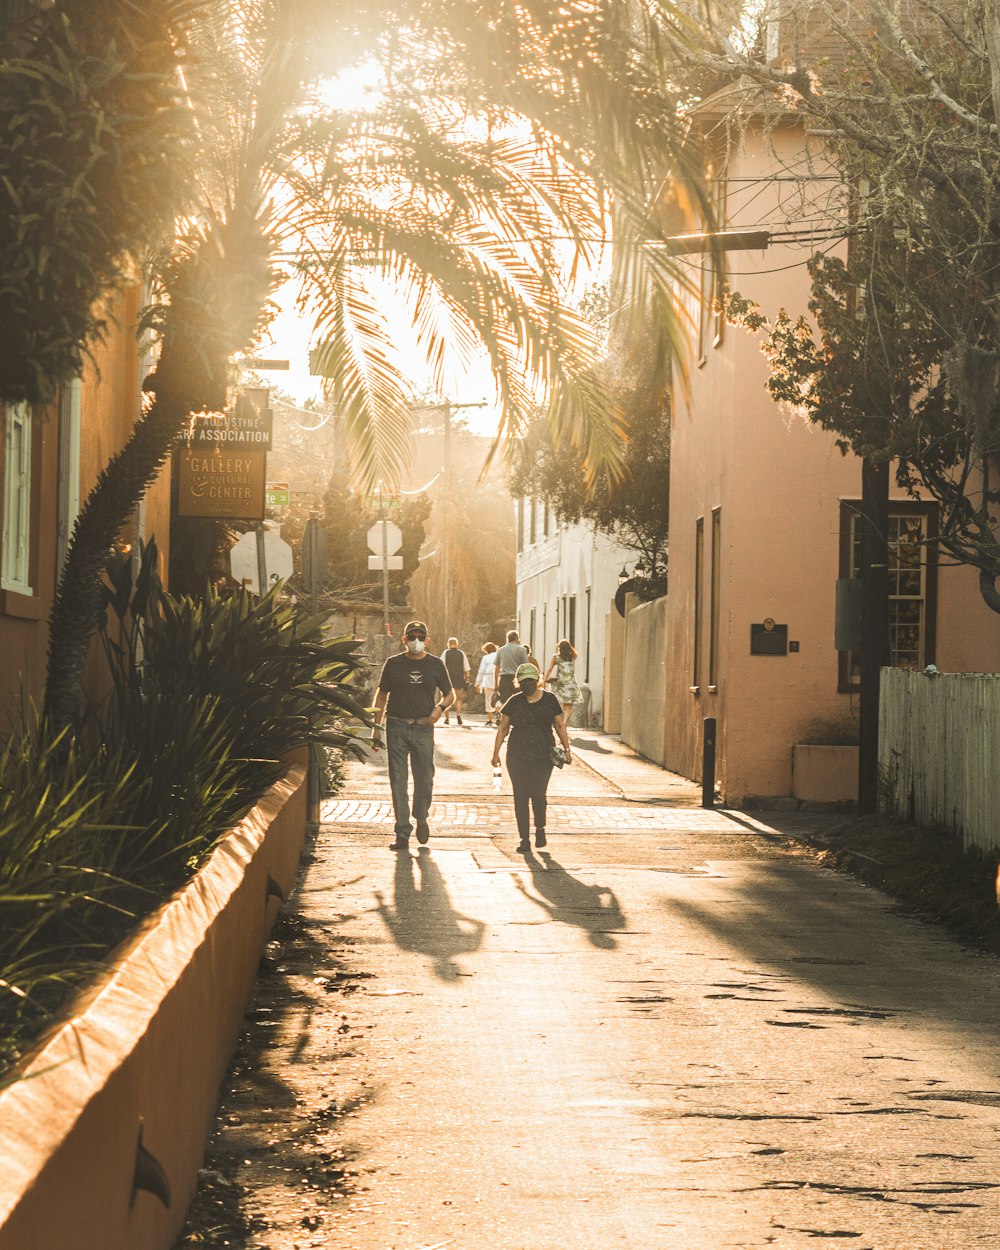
(527, 670)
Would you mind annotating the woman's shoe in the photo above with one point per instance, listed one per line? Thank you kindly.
(459, 719)
(524, 846)
(540, 837)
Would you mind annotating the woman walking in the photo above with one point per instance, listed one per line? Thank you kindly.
(564, 685)
(486, 679)
(529, 717)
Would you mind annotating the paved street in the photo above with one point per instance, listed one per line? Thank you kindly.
(671, 1030)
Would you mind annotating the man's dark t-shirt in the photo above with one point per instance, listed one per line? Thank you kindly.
(531, 726)
(411, 685)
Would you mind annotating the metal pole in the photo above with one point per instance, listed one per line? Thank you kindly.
(708, 763)
(261, 563)
(385, 573)
(875, 650)
(314, 560)
(445, 519)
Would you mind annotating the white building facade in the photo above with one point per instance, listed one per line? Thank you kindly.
(567, 578)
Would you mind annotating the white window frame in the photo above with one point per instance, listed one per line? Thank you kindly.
(15, 539)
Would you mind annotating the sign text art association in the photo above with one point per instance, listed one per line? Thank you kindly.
(221, 484)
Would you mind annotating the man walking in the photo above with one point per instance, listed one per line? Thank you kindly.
(457, 663)
(409, 685)
(508, 659)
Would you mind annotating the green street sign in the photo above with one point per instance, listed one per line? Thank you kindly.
(278, 495)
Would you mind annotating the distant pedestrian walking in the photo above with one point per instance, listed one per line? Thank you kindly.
(486, 680)
(457, 664)
(507, 659)
(408, 687)
(530, 717)
(563, 684)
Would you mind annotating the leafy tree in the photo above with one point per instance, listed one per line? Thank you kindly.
(904, 359)
(93, 169)
(470, 546)
(630, 504)
(347, 518)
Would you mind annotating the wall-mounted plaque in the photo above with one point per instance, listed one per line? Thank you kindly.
(221, 483)
(767, 638)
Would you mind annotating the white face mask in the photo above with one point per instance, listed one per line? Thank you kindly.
(416, 646)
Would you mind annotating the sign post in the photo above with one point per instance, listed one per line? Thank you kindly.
(385, 538)
(314, 559)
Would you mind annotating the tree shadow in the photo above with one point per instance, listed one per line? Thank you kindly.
(422, 918)
(594, 908)
(589, 744)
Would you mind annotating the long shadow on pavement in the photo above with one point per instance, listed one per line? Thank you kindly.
(422, 918)
(569, 900)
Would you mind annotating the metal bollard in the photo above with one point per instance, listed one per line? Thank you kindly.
(708, 763)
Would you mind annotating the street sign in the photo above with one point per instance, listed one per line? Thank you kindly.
(224, 484)
(376, 565)
(278, 495)
(260, 551)
(393, 538)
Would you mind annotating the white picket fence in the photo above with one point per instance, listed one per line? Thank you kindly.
(939, 752)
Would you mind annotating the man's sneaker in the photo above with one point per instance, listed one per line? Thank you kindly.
(423, 832)
(539, 837)
(401, 844)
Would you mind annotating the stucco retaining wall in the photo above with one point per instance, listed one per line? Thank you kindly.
(645, 679)
(147, 1046)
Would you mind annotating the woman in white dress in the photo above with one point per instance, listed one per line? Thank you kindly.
(486, 678)
(564, 684)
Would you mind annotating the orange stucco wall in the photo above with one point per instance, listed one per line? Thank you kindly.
(149, 1045)
(778, 481)
(109, 405)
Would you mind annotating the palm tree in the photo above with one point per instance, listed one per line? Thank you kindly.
(502, 132)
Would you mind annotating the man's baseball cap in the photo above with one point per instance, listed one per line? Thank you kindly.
(527, 670)
(415, 627)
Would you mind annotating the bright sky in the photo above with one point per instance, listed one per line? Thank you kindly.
(291, 340)
(360, 87)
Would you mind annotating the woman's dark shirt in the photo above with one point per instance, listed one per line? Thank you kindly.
(531, 726)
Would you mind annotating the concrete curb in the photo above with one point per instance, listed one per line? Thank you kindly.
(137, 1066)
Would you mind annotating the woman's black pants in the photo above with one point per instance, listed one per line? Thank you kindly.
(530, 779)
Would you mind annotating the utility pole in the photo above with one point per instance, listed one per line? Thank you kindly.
(447, 408)
(875, 649)
(445, 517)
(385, 574)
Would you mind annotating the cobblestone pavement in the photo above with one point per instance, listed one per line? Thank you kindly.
(671, 1030)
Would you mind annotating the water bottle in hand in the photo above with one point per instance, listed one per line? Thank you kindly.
(497, 775)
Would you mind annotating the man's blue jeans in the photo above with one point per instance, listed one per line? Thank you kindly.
(410, 748)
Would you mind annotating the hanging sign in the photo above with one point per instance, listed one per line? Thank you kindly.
(221, 483)
(249, 425)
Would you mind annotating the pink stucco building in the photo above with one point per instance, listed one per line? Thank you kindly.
(761, 525)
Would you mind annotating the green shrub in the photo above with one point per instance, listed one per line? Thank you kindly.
(61, 903)
(208, 697)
